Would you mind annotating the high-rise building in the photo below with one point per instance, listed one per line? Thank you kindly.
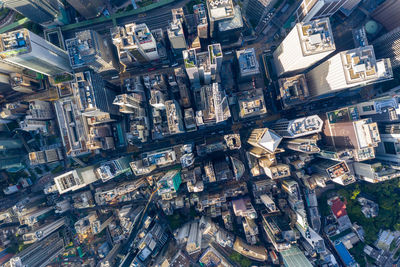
(146, 40)
(306, 44)
(298, 127)
(337, 171)
(219, 11)
(130, 104)
(361, 136)
(12, 152)
(388, 46)
(293, 90)
(72, 126)
(41, 253)
(129, 50)
(256, 10)
(200, 15)
(88, 9)
(176, 36)
(174, 117)
(251, 103)
(315, 9)
(213, 105)
(42, 12)
(375, 171)
(25, 83)
(229, 30)
(265, 139)
(190, 61)
(248, 63)
(203, 67)
(389, 148)
(348, 69)
(26, 49)
(385, 13)
(113, 168)
(74, 180)
(89, 49)
(46, 156)
(169, 184)
(382, 109)
(95, 96)
(304, 145)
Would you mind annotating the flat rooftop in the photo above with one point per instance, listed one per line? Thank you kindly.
(360, 65)
(14, 43)
(189, 57)
(143, 33)
(305, 125)
(220, 9)
(231, 24)
(200, 13)
(248, 62)
(316, 36)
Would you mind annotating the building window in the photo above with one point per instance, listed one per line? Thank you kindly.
(390, 148)
(368, 108)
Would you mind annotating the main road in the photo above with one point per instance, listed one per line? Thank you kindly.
(155, 18)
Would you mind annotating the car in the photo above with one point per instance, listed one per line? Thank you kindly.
(175, 64)
(151, 69)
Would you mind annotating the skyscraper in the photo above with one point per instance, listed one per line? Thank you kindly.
(176, 36)
(388, 46)
(386, 13)
(315, 9)
(293, 90)
(26, 49)
(39, 11)
(200, 16)
(88, 9)
(89, 49)
(265, 139)
(306, 44)
(389, 148)
(298, 127)
(75, 179)
(146, 40)
(129, 50)
(256, 10)
(348, 69)
(95, 96)
(219, 11)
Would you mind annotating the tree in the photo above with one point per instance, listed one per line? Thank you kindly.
(240, 259)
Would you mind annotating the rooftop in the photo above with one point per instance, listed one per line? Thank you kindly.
(251, 103)
(293, 90)
(189, 57)
(200, 12)
(338, 207)
(231, 24)
(214, 51)
(316, 36)
(220, 9)
(248, 62)
(305, 126)
(294, 257)
(14, 43)
(360, 65)
(143, 33)
(338, 170)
